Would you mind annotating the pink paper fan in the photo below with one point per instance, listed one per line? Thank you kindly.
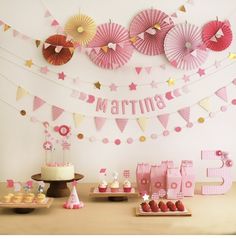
(217, 35)
(184, 47)
(150, 28)
(111, 47)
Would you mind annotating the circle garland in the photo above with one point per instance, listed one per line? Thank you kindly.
(149, 28)
(114, 47)
(81, 28)
(57, 50)
(184, 47)
(64, 130)
(217, 35)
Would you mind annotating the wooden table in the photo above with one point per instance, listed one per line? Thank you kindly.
(210, 215)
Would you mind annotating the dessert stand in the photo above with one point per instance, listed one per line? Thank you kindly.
(57, 188)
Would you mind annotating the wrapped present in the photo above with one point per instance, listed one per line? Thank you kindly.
(158, 178)
(143, 178)
(173, 183)
(188, 180)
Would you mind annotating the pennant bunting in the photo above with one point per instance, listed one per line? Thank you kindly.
(121, 44)
(99, 122)
(105, 48)
(15, 33)
(205, 104)
(185, 113)
(141, 35)
(47, 14)
(56, 112)
(58, 49)
(37, 43)
(163, 119)
(222, 93)
(148, 69)
(174, 15)
(182, 8)
(121, 123)
(55, 23)
(20, 93)
(37, 103)
(78, 119)
(97, 49)
(143, 123)
(138, 70)
(6, 27)
(46, 45)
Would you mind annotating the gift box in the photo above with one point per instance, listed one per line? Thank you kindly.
(143, 178)
(158, 178)
(188, 180)
(173, 183)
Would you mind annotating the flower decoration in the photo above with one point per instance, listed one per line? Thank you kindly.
(148, 29)
(81, 28)
(57, 50)
(217, 35)
(184, 47)
(110, 48)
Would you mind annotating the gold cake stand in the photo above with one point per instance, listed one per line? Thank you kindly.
(57, 188)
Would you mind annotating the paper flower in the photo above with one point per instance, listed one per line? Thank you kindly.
(57, 50)
(81, 28)
(149, 28)
(110, 48)
(217, 35)
(184, 47)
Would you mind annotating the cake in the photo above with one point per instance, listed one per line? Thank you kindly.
(115, 186)
(127, 186)
(102, 187)
(57, 171)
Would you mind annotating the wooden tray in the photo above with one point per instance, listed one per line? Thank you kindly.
(46, 204)
(140, 212)
(113, 196)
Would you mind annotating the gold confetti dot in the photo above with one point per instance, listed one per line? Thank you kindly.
(201, 120)
(80, 136)
(23, 112)
(142, 138)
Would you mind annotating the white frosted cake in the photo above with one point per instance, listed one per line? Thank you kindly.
(55, 171)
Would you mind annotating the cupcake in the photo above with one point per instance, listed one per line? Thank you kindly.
(115, 186)
(17, 199)
(127, 186)
(7, 198)
(40, 198)
(28, 199)
(102, 187)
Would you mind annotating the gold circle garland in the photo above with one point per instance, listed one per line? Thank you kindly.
(81, 28)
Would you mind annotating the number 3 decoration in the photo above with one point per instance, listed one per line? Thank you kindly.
(223, 172)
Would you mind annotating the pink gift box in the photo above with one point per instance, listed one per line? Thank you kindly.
(143, 178)
(188, 181)
(173, 181)
(158, 178)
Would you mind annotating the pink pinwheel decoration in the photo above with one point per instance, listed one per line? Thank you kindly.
(217, 35)
(110, 48)
(150, 27)
(184, 47)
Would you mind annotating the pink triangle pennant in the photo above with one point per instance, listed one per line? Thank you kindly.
(121, 44)
(141, 35)
(138, 70)
(54, 23)
(121, 123)
(15, 33)
(99, 122)
(46, 45)
(38, 102)
(163, 119)
(174, 15)
(47, 14)
(1, 22)
(97, 49)
(222, 93)
(56, 112)
(148, 69)
(185, 113)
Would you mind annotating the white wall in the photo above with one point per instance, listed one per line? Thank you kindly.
(21, 153)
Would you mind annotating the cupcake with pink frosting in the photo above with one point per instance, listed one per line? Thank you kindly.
(102, 187)
(127, 186)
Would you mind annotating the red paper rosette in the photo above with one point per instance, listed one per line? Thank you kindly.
(57, 50)
(149, 28)
(110, 48)
(217, 35)
(184, 47)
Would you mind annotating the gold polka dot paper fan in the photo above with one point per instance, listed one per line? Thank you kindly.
(81, 28)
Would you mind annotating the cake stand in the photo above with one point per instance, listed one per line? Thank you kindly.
(57, 188)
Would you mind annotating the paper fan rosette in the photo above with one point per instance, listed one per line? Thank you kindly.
(217, 35)
(148, 29)
(81, 28)
(57, 50)
(111, 47)
(184, 47)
